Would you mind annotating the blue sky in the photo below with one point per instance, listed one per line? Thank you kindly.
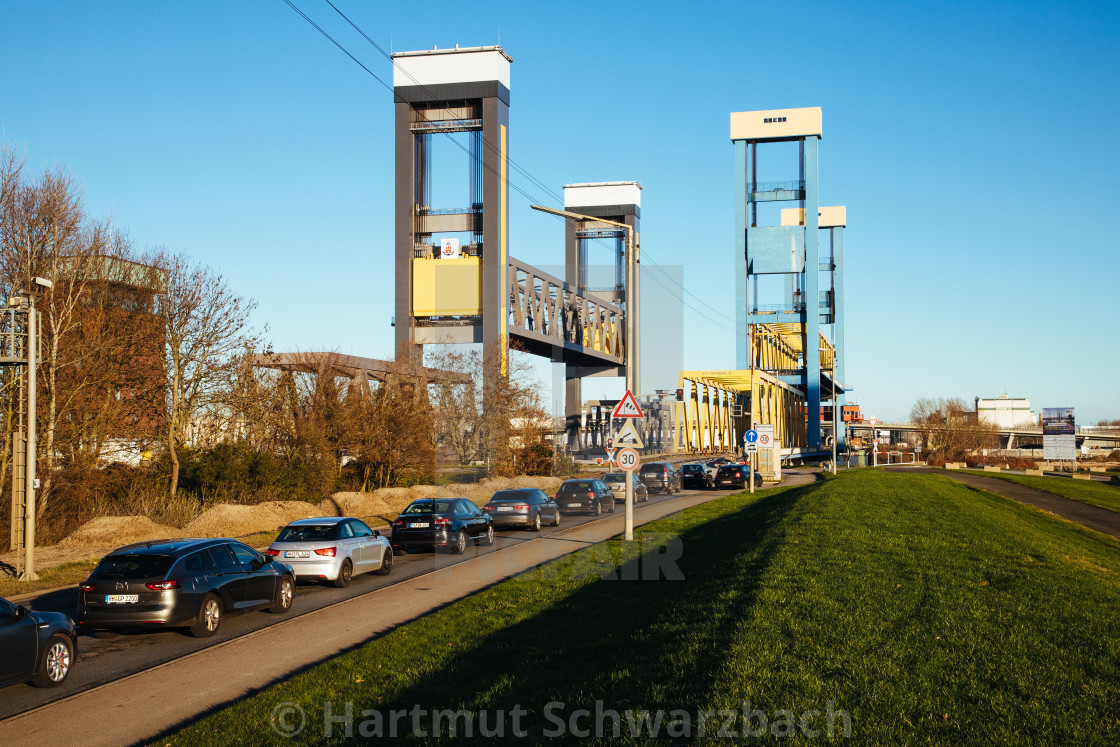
(972, 143)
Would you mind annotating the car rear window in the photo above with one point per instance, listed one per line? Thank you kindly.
(615, 477)
(133, 566)
(729, 469)
(513, 495)
(575, 485)
(692, 468)
(308, 533)
(650, 468)
(439, 507)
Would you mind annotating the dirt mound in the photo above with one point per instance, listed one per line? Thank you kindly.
(232, 520)
(354, 504)
(119, 530)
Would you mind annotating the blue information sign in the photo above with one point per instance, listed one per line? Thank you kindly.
(750, 437)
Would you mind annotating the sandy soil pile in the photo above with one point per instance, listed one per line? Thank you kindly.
(353, 504)
(119, 530)
(231, 520)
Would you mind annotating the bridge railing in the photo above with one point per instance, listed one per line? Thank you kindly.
(546, 309)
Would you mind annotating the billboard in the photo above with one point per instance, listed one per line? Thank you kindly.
(1057, 421)
(1058, 428)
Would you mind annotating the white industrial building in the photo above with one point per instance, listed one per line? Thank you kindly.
(1006, 412)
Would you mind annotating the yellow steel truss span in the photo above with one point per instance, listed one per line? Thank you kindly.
(719, 406)
(780, 347)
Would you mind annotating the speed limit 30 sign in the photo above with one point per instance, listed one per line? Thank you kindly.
(627, 459)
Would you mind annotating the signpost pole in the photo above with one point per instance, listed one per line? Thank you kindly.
(32, 440)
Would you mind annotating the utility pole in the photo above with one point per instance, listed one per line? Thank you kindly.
(30, 358)
(632, 374)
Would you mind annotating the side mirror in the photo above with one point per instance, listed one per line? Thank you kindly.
(266, 559)
(376, 532)
(22, 611)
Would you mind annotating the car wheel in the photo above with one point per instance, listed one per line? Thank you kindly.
(556, 520)
(460, 545)
(536, 527)
(386, 563)
(209, 617)
(489, 538)
(284, 595)
(58, 657)
(598, 508)
(345, 573)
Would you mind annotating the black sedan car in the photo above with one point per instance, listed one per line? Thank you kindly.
(35, 647)
(736, 476)
(585, 496)
(434, 523)
(188, 583)
(528, 508)
(698, 475)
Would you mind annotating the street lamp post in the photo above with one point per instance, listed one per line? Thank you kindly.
(632, 379)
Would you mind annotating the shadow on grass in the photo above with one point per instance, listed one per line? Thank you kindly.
(627, 644)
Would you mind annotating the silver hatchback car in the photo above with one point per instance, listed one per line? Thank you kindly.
(616, 481)
(332, 548)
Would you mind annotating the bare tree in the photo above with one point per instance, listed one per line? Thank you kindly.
(206, 327)
(390, 428)
(949, 429)
(493, 418)
(45, 233)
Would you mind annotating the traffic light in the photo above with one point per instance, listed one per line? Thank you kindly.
(680, 395)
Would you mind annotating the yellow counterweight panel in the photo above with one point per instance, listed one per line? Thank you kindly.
(446, 287)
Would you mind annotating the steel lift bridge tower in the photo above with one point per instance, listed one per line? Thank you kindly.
(478, 294)
(790, 250)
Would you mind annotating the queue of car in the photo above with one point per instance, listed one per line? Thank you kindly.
(195, 583)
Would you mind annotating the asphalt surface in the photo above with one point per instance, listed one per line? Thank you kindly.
(110, 657)
(1093, 517)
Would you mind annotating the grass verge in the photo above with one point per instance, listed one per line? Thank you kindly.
(67, 574)
(1092, 492)
(910, 607)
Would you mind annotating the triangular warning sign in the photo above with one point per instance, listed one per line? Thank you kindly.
(627, 407)
(628, 436)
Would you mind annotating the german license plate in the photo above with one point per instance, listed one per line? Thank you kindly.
(574, 505)
(419, 525)
(505, 508)
(297, 554)
(122, 598)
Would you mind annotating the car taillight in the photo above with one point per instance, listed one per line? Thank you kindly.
(488, 507)
(272, 552)
(442, 522)
(86, 587)
(327, 552)
(398, 523)
(522, 507)
(590, 493)
(738, 474)
(163, 585)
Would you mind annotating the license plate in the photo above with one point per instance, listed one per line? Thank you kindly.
(297, 554)
(418, 525)
(574, 505)
(122, 598)
(505, 508)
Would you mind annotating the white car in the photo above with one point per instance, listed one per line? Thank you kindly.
(332, 548)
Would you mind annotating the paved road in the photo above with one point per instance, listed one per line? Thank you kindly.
(116, 657)
(1094, 517)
